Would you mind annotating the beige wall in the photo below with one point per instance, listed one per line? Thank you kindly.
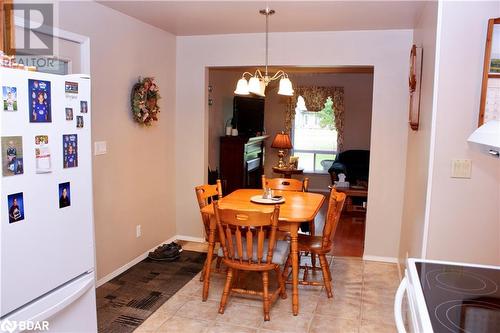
(464, 216)
(387, 51)
(133, 182)
(419, 142)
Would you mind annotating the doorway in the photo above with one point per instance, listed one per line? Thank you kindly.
(315, 156)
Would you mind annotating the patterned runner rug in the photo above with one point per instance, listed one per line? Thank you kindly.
(130, 298)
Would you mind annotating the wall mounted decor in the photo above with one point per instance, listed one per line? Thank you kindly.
(145, 96)
(414, 83)
(489, 108)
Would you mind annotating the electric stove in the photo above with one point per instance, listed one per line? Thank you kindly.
(449, 297)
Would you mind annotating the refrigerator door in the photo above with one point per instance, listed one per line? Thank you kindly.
(70, 308)
(51, 245)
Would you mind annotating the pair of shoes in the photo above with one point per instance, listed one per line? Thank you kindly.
(169, 246)
(166, 252)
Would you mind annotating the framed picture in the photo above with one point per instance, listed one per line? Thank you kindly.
(489, 107)
(9, 97)
(84, 108)
(79, 121)
(69, 113)
(64, 195)
(12, 155)
(15, 206)
(70, 151)
(40, 101)
(414, 83)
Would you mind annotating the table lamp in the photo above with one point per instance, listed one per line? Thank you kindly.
(281, 141)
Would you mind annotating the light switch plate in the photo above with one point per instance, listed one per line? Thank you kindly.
(100, 148)
(461, 168)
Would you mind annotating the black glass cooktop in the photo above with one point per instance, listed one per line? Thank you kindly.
(461, 299)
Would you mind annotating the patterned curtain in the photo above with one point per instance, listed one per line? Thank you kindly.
(315, 98)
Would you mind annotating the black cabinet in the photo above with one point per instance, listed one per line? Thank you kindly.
(241, 162)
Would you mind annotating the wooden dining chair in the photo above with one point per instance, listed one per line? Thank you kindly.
(288, 184)
(285, 184)
(321, 245)
(248, 243)
(205, 194)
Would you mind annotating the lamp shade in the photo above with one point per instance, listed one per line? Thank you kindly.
(254, 85)
(285, 87)
(242, 87)
(282, 141)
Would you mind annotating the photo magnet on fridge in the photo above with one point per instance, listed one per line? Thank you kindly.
(79, 121)
(42, 154)
(84, 108)
(15, 204)
(40, 101)
(71, 87)
(69, 113)
(12, 155)
(9, 98)
(70, 150)
(64, 195)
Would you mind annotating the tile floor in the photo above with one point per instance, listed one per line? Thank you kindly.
(363, 302)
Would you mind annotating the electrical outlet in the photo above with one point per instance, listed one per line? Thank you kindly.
(461, 168)
(138, 232)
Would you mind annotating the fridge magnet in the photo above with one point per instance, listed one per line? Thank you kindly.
(79, 121)
(40, 111)
(69, 113)
(70, 150)
(42, 154)
(144, 98)
(71, 89)
(64, 195)
(9, 98)
(15, 206)
(84, 107)
(12, 155)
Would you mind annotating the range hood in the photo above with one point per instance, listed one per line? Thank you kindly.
(488, 135)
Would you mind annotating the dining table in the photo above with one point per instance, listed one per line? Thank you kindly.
(297, 207)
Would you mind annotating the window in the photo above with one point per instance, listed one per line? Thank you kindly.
(314, 137)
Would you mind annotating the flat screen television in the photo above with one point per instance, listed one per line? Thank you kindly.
(248, 115)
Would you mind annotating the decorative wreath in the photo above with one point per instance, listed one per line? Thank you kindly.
(145, 96)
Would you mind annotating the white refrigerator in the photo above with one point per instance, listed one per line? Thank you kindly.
(47, 257)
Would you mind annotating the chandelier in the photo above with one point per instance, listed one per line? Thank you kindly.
(257, 83)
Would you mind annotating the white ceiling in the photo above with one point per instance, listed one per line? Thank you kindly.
(185, 18)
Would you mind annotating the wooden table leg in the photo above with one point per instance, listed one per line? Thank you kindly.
(295, 268)
(211, 245)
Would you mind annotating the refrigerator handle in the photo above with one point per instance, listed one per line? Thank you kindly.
(78, 290)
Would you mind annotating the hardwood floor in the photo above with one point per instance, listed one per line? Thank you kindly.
(349, 240)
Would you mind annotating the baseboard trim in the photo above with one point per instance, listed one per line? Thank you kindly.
(190, 239)
(122, 269)
(381, 259)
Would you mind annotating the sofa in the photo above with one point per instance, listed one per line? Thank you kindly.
(354, 164)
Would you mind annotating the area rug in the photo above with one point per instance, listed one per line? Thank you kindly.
(130, 298)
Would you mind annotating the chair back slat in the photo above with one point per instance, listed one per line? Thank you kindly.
(239, 243)
(335, 205)
(260, 244)
(236, 225)
(229, 240)
(249, 237)
(285, 184)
